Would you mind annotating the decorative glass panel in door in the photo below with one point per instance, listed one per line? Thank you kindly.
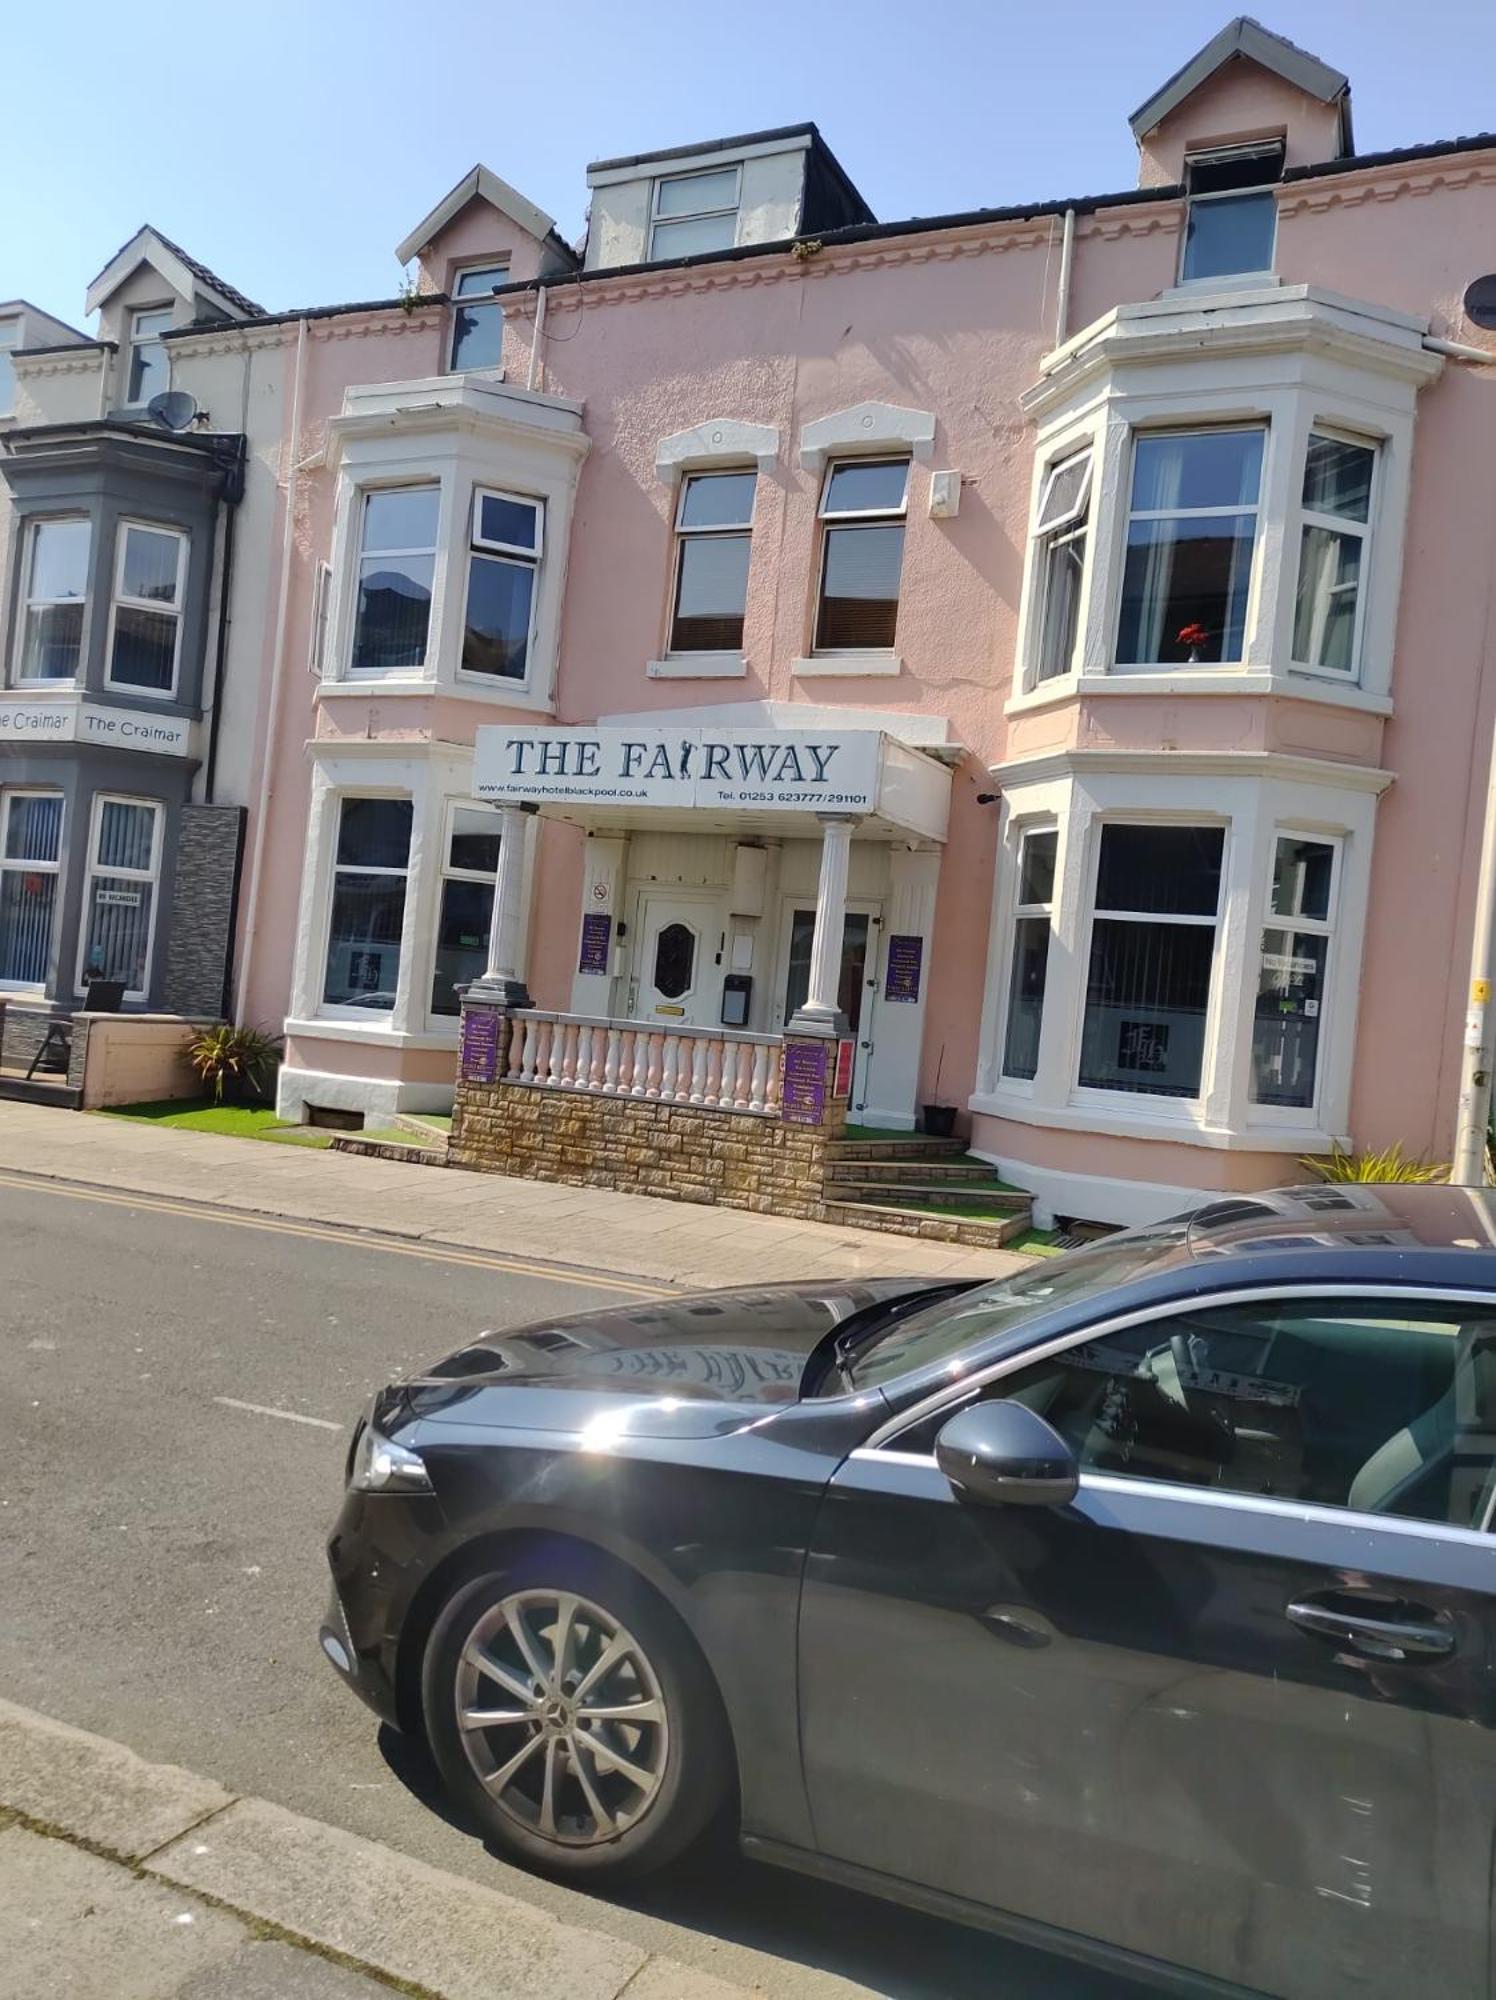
(674, 960)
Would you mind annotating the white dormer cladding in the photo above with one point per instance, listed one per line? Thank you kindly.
(769, 192)
(458, 437)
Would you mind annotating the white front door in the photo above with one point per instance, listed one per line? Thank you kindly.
(677, 968)
(856, 989)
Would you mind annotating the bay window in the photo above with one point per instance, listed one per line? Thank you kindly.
(367, 921)
(503, 558)
(1032, 919)
(1191, 535)
(1292, 970)
(396, 574)
(30, 844)
(55, 588)
(1153, 936)
(713, 534)
(863, 503)
(148, 367)
(470, 864)
(1332, 552)
(146, 610)
(1062, 527)
(119, 894)
(478, 317)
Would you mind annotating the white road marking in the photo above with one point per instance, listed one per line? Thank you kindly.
(290, 1416)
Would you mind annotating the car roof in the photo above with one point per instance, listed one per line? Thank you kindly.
(1385, 1220)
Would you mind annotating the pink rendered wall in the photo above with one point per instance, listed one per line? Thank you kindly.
(1241, 101)
(479, 235)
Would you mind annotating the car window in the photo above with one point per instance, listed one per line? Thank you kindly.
(1383, 1406)
(942, 1332)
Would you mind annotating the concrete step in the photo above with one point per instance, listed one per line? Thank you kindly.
(897, 1173)
(977, 1194)
(928, 1227)
(435, 1136)
(898, 1146)
(390, 1149)
(40, 1090)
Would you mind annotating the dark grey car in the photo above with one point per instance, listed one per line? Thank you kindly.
(1140, 1605)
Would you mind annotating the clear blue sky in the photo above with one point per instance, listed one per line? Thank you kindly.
(291, 146)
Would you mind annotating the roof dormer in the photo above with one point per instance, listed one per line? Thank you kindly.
(1247, 87)
(149, 287)
(721, 195)
(484, 223)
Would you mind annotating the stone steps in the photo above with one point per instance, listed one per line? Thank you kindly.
(898, 1146)
(902, 1173)
(929, 1228)
(414, 1154)
(39, 1090)
(979, 1194)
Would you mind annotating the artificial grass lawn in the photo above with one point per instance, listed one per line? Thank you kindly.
(234, 1121)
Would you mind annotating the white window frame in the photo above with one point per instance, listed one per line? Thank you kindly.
(138, 340)
(1257, 509)
(733, 208)
(12, 336)
(374, 1020)
(118, 601)
(850, 517)
(152, 875)
(1160, 1105)
(1225, 279)
(447, 1024)
(1020, 832)
(683, 534)
(26, 603)
(321, 607)
(20, 865)
(362, 495)
(460, 299)
(1075, 525)
(1339, 524)
(486, 547)
(1327, 927)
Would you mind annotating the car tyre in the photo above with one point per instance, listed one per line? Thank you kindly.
(599, 1765)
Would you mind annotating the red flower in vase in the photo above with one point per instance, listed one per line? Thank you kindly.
(1193, 635)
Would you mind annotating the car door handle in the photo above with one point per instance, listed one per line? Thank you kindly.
(1403, 1639)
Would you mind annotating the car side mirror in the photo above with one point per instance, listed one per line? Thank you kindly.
(1005, 1455)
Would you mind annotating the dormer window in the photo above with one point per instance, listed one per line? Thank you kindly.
(1233, 213)
(695, 213)
(478, 318)
(149, 365)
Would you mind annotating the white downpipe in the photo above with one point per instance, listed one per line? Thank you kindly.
(1459, 350)
(1062, 294)
(538, 335)
(1476, 1053)
(277, 676)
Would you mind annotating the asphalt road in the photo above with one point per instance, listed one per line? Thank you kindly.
(162, 1575)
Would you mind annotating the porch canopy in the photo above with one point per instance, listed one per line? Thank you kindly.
(702, 775)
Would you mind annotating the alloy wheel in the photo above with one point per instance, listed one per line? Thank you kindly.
(561, 1716)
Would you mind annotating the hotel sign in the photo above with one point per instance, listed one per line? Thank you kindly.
(783, 770)
(23, 720)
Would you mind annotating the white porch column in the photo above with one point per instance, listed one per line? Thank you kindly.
(821, 1013)
(504, 976)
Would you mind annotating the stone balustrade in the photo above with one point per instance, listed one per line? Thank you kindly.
(710, 1069)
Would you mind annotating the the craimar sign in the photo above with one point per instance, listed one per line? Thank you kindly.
(810, 770)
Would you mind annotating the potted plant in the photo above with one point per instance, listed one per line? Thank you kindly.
(1194, 637)
(237, 1062)
(938, 1120)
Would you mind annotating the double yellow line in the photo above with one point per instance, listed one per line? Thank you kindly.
(331, 1232)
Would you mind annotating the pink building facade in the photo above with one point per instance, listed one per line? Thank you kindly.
(1048, 649)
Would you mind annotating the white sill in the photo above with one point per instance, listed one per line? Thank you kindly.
(367, 684)
(1181, 1127)
(164, 696)
(849, 665)
(334, 1028)
(698, 667)
(1199, 681)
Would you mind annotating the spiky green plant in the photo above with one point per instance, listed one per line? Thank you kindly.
(1389, 1164)
(238, 1060)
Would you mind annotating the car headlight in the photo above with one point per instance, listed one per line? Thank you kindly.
(382, 1466)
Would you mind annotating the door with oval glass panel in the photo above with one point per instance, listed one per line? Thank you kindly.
(678, 969)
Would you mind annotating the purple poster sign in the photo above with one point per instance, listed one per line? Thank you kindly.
(597, 935)
(480, 1046)
(906, 958)
(803, 1084)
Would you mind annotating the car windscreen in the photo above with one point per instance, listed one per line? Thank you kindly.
(943, 1332)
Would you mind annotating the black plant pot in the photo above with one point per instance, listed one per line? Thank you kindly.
(939, 1120)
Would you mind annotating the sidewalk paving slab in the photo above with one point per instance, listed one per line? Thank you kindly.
(624, 1235)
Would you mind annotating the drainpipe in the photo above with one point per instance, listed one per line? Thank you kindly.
(537, 335)
(1459, 350)
(277, 678)
(233, 493)
(1062, 295)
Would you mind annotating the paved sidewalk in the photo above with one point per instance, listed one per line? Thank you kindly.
(123, 1880)
(674, 1243)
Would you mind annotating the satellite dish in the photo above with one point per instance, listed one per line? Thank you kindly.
(1480, 301)
(174, 409)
